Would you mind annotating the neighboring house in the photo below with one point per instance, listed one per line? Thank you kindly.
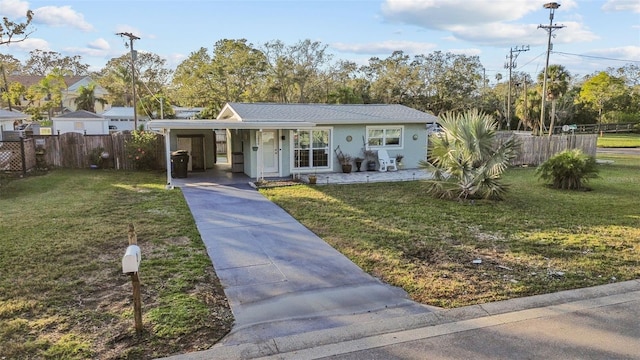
(122, 118)
(80, 121)
(280, 140)
(9, 120)
(69, 94)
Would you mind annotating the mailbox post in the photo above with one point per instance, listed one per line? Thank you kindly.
(131, 265)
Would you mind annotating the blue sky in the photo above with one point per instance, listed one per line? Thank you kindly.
(605, 33)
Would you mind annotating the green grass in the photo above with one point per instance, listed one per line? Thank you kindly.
(538, 240)
(619, 140)
(62, 291)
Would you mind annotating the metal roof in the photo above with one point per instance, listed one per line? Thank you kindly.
(80, 114)
(12, 115)
(325, 113)
(292, 116)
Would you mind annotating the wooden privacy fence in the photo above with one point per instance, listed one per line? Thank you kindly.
(534, 150)
(71, 150)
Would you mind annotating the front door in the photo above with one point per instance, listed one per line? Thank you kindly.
(270, 152)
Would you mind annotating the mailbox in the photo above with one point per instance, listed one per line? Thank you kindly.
(131, 259)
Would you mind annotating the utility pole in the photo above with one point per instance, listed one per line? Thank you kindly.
(511, 64)
(133, 75)
(552, 6)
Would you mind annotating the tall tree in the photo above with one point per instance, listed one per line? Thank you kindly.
(12, 32)
(43, 62)
(528, 108)
(601, 92)
(451, 81)
(394, 80)
(308, 58)
(150, 73)
(557, 84)
(237, 68)
(281, 84)
(192, 82)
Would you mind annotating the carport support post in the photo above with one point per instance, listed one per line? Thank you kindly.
(167, 150)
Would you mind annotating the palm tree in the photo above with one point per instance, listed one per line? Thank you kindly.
(86, 99)
(557, 84)
(466, 161)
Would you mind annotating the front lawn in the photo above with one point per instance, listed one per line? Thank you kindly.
(619, 140)
(62, 291)
(452, 254)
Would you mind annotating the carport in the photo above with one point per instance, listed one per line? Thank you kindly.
(249, 134)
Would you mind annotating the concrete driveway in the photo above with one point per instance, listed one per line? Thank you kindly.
(279, 277)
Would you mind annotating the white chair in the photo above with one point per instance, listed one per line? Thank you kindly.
(386, 163)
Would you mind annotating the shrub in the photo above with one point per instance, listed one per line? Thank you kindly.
(141, 149)
(570, 170)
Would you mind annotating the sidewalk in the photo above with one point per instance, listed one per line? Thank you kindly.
(593, 323)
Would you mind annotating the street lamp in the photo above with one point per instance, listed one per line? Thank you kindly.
(552, 6)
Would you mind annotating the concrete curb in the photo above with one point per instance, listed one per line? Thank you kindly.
(459, 319)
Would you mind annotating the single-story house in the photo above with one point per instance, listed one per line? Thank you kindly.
(281, 140)
(80, 121)
(122, 118)
(9, 120)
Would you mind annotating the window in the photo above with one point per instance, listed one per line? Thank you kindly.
(311, 148)
(384, 136)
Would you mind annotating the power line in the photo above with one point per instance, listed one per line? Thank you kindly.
(596, 57)
(512, 64)
(133, 73)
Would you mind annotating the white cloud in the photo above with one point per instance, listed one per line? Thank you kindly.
(484, 22)
(622, 5)
(385, 47)
(59, 16)
(621, 53)
(99, 44)
(445, 14)
(30, 44)
(14, 9)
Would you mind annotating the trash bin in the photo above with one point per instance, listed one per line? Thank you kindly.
(179, 162)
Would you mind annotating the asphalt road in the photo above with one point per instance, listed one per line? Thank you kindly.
(618, 151)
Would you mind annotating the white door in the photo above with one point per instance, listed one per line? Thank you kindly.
(270, 152)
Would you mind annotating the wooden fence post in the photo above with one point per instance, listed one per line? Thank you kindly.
(135, 282)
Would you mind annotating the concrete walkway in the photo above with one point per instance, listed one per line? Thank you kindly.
(279, 277)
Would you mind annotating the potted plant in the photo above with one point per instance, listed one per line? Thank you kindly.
(370, 156)
(358, 160)
(313, 179)
(399, 158)
(345, 161)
